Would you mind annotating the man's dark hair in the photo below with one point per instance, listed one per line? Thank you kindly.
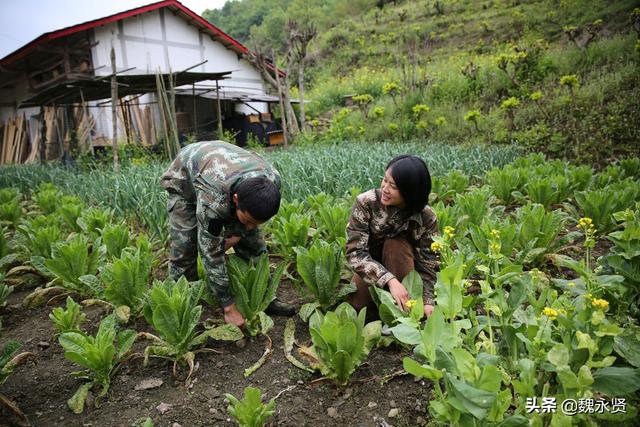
(259, 197)
(412, 179)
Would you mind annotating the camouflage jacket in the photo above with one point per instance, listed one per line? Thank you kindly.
(371, 223)
(206, 174)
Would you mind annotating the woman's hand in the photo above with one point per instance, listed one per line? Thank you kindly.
(398, 292)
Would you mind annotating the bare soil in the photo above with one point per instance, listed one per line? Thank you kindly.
(41, 389)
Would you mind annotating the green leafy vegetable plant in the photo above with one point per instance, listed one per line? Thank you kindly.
(73, 259)
(538, 233)
(341, 341)
(115, 237)
(250, 411)
(100, 356)
(290, 233)
(69, 319)
(10, 213)
(171, 308)
(254, 288)
(404, 325)
(332, 221)
(126, 279)
(320, 267)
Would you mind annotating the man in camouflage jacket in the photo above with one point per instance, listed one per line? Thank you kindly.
(218, 195)
(385, 243)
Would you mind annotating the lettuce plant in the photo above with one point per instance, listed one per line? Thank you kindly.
(92, 220)
(538, 233)
(126, 278)
(290, 233)
(5, 291)
(505, 181)
(69, 319)
(39, 241)
(73, 259)
(600, 205)
(69, 210)
(341, 341)
(47, 198)
(250, 411)
(115, 237)
(171, 308)
(8, 195)
(320, 267)
(100, 356)
(332, 223)
(10, 213)
(254, 288)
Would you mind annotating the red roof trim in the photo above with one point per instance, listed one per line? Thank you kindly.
(53, 35)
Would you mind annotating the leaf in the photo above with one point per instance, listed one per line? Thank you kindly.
(76, 403)
(343, 366)
(474, 400)
(449, 289)
(307, 310)
(122, 313)
(406, 334)
(225, 332)
(558, 355)
(628, 346)
(289, 340)
(166, 321)
(421, 371)
(616, 381)
(266, 323)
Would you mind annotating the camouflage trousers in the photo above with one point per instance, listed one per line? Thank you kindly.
(396, 255)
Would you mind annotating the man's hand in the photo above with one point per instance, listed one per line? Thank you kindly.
(398, 292)
(230, 241)
(232, 316)
(428, 309)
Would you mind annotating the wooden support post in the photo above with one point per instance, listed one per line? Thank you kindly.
(43, 135)
(195, 114)
(285, 132)
(114, 114)
(219, 110)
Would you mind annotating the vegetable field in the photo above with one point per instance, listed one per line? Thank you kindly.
(536, 301)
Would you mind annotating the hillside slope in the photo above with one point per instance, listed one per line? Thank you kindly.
(559, 76)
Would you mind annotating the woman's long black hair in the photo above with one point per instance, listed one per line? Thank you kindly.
(412, 179)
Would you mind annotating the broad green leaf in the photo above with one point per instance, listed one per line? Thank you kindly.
(406, 334)
(476, 401)
(558, 355)
(421, 371)
(616, 381)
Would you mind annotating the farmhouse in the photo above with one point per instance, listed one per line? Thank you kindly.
(175, 74)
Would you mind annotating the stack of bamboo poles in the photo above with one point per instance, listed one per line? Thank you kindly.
(15, 143)
(84, 125)
(52, 140)
(143, 122)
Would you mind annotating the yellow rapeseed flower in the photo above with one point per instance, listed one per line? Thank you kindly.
(449, 231)
(436, 247)
(550, 313)
(495, 234)
(494, 247)
(588, 296)
(599, 303)
(409, 304)
(585, 222)
(571, 284)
